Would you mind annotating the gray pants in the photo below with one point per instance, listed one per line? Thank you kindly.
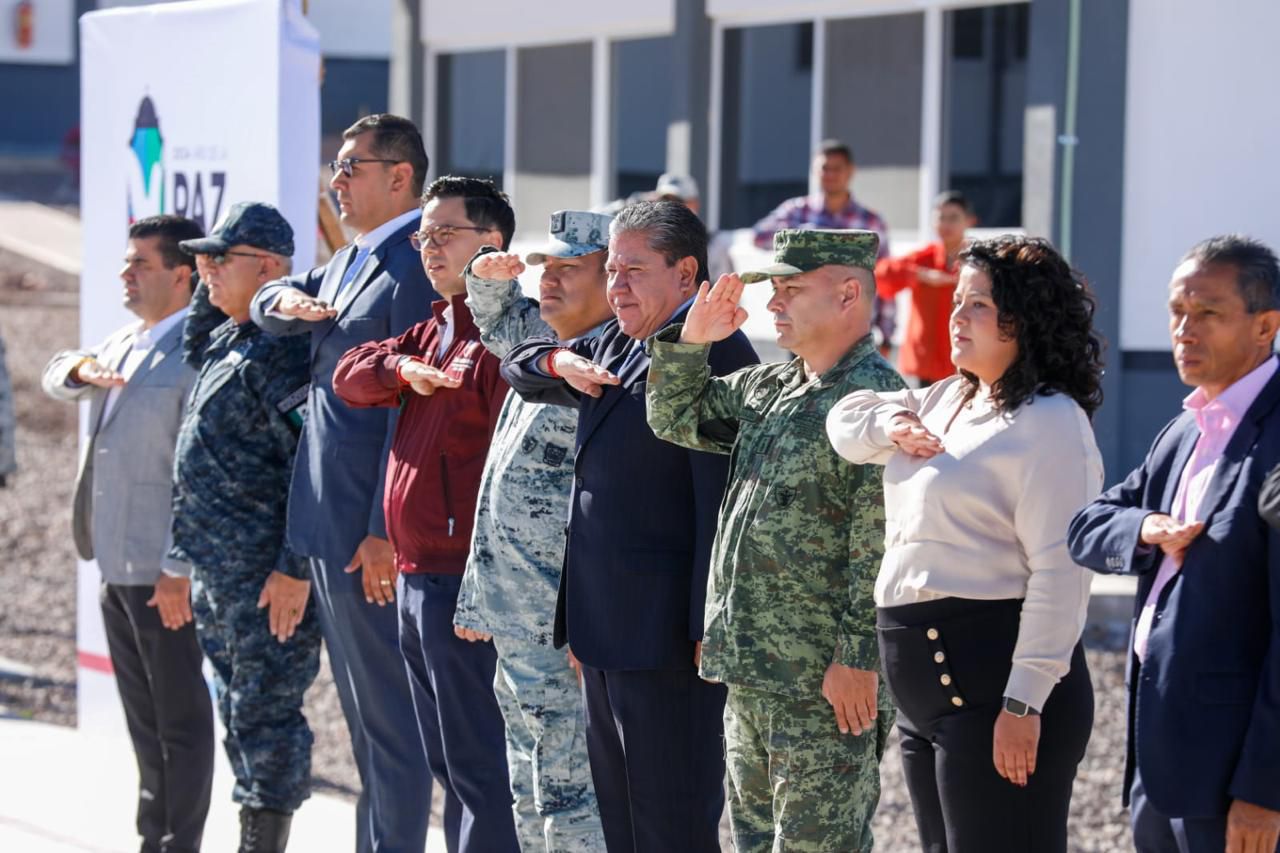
(555, 803)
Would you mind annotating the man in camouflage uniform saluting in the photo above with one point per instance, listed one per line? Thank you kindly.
(509, 590)
(232, 467)
(790, 621)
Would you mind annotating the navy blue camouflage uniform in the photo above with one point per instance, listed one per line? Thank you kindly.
(232, 467)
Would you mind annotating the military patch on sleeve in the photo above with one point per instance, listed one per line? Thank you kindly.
(553, 454)
(293, 406)
(783, 495)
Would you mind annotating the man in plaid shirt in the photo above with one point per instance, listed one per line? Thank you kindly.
(833, 207)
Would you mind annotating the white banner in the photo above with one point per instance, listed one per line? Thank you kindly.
(186, 108)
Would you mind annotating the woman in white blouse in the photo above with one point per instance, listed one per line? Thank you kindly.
(979, 606)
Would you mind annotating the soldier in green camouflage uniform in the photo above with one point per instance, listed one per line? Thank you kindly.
(790, 622)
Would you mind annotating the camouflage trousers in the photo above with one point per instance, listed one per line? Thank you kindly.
(259, 683)
(555, 802)
(795, 782)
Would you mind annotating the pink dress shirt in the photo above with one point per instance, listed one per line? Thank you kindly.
(1217, 420)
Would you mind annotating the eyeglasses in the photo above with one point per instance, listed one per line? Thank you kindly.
(221, 258)
(440, 235)
(347, 165)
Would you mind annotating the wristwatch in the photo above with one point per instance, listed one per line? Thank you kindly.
(1019, 708)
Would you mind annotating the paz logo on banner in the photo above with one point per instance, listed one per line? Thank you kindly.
(146, 183)
(148, 192)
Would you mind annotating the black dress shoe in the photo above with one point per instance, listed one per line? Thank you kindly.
(263, 830)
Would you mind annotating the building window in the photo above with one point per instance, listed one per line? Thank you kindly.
(767, 104)
(553, 133)
(872, 99)
(641, 112)
(984, 103)
(471, 127)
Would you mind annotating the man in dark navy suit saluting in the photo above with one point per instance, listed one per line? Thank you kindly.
(642, 519)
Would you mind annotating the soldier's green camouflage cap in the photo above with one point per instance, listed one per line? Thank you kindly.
(797, 251)
(574, 233)
(247, 223)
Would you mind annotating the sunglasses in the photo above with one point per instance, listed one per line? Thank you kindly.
(440, 235)
(347, 165)
(220, 258)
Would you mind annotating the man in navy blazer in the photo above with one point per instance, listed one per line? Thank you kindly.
(642, 519)
(371, 290)
(1203, 771)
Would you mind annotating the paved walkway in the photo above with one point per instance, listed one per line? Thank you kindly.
(63, 791)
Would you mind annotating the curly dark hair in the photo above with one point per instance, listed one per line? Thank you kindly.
(1048, 307)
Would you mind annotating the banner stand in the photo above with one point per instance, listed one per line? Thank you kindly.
(186, 108)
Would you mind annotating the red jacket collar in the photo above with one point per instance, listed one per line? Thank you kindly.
(464, 323)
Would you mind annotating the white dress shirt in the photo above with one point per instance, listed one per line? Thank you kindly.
(366, 244)
(141, 343)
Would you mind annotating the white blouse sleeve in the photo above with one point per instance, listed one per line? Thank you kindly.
(1062, 473)
(858, 425)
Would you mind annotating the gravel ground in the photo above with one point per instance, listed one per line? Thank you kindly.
(37, 588)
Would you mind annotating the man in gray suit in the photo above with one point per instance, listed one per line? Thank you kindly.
(137, 383)
(371, 290)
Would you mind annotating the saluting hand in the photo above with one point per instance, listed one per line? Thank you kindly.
(295, 303)
(582, 375)
(287, 598)
(497, 266)
(425, 379)
(1170, 535)
(852, 695)
(715, 313)
(94, 372)
(911, 436)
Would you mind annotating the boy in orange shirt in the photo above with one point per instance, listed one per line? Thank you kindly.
(930, 274)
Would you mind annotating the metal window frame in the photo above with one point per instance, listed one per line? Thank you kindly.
(931, 101)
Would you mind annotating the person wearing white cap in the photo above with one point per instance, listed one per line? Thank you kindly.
(673, 186)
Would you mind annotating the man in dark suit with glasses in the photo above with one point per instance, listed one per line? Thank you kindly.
(373, 289)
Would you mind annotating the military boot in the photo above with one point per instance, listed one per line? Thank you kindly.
(263, 830)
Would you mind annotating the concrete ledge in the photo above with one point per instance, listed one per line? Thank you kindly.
(70, 792)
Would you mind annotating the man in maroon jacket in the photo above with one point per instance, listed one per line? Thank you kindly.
(451, 393)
